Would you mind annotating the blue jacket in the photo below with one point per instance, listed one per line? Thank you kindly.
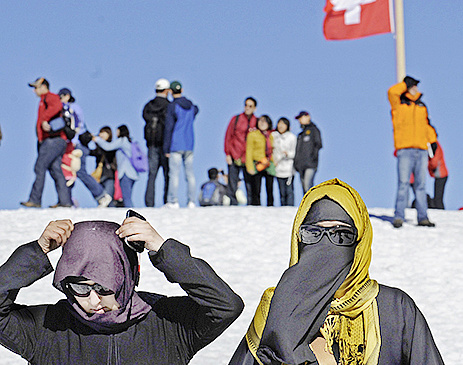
(178, 134)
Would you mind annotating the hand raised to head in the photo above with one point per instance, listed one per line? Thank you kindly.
(55, 235)
(135, 229)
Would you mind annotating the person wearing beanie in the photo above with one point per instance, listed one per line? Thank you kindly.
(179, 143)
(325, 309)
(103, 318)
(154, 114)
(413, 135)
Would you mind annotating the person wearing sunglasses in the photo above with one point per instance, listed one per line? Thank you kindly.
(325, 308)
(103, 319)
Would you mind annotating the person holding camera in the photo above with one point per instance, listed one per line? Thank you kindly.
(103, 319)
(213, 192)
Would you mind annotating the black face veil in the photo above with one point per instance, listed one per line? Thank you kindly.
(303, 296)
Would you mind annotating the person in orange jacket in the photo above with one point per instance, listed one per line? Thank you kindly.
(438, 170)
(412, 133)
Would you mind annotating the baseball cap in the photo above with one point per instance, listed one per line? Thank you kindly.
(301, 114)
(66, 91)
(176, 87)
(161, 84)
(38, 82)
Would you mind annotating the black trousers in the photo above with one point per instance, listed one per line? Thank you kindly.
(233, 180)
(439, 186)
(256, 182)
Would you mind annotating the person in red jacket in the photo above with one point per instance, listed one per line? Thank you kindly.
(235, 148)
(51, 147)
(438, 170)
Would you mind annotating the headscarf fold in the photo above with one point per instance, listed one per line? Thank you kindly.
(95, 252)
(350, 317)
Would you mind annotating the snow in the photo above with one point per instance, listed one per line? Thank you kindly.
(249, 248)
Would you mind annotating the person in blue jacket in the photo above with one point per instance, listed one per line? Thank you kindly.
(178, 144)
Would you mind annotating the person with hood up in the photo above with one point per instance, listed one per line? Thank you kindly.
(178, 144)
(325, 308)
(103, 320)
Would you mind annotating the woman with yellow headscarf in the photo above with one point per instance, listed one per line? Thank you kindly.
(325, 308)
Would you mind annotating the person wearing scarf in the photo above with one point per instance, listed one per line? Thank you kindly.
(103, 320)
(325, 308)
(259, 160)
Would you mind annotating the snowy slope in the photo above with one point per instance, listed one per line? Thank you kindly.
(249, 248)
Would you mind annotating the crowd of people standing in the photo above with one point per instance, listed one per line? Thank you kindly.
(255, 150)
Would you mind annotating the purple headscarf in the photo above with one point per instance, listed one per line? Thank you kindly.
(95, 252)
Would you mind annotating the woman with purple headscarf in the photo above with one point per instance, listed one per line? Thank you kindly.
(103, 319)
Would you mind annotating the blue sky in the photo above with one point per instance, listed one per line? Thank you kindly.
(110, 53)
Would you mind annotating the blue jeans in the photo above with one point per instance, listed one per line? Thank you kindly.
(411, 160)
(233, 180)
(286, 191)
(126, 189)
(175, 160)
(51, 152)
(90, 183)
(307, 177)
(156, 159)
(108, 186)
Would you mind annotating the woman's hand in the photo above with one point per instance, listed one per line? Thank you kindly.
(55, 235)
(135, 229)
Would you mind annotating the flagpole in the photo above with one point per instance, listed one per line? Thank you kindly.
(399, 40)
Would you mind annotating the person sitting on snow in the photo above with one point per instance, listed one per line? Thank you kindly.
(103, 320)
(325, 308)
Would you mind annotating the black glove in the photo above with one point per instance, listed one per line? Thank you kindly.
(410, 81)
(85, 138)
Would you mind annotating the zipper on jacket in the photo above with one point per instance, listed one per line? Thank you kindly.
(114, 357)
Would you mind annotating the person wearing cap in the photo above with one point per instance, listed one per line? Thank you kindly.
(51, 147)
(154, 114)
(412, 134)
(325, 308)
(235, 148)
(98, 192)
(178, 144)
(103, 319)
(309, 143)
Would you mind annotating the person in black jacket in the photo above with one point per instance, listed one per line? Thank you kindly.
(103, 320)
(154, 114)
(325, 309)
(309, 142)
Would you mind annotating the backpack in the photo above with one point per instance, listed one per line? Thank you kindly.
(139, 160)
(210, 194)
(63, 121)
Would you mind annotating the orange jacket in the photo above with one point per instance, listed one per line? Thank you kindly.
(409, 119)
(436, 165)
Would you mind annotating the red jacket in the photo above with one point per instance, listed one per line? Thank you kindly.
(436, 165)
(235, 137)
(50, 105)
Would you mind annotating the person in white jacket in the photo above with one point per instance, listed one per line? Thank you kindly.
(284, 149)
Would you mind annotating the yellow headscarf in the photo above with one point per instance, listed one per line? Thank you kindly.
(353, 320)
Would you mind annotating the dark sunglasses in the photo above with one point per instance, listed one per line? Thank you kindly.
(83, 290)
(339, 235)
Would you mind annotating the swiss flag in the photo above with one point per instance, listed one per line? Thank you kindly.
(350, 19)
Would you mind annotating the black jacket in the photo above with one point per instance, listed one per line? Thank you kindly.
(309, 142)
(108, 158)
(171, 333)
(405, 335)
(154, 114)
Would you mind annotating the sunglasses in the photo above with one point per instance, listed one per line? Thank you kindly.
(339, 235)
(83, 290)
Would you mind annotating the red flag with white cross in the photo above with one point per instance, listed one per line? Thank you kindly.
(350, 19)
